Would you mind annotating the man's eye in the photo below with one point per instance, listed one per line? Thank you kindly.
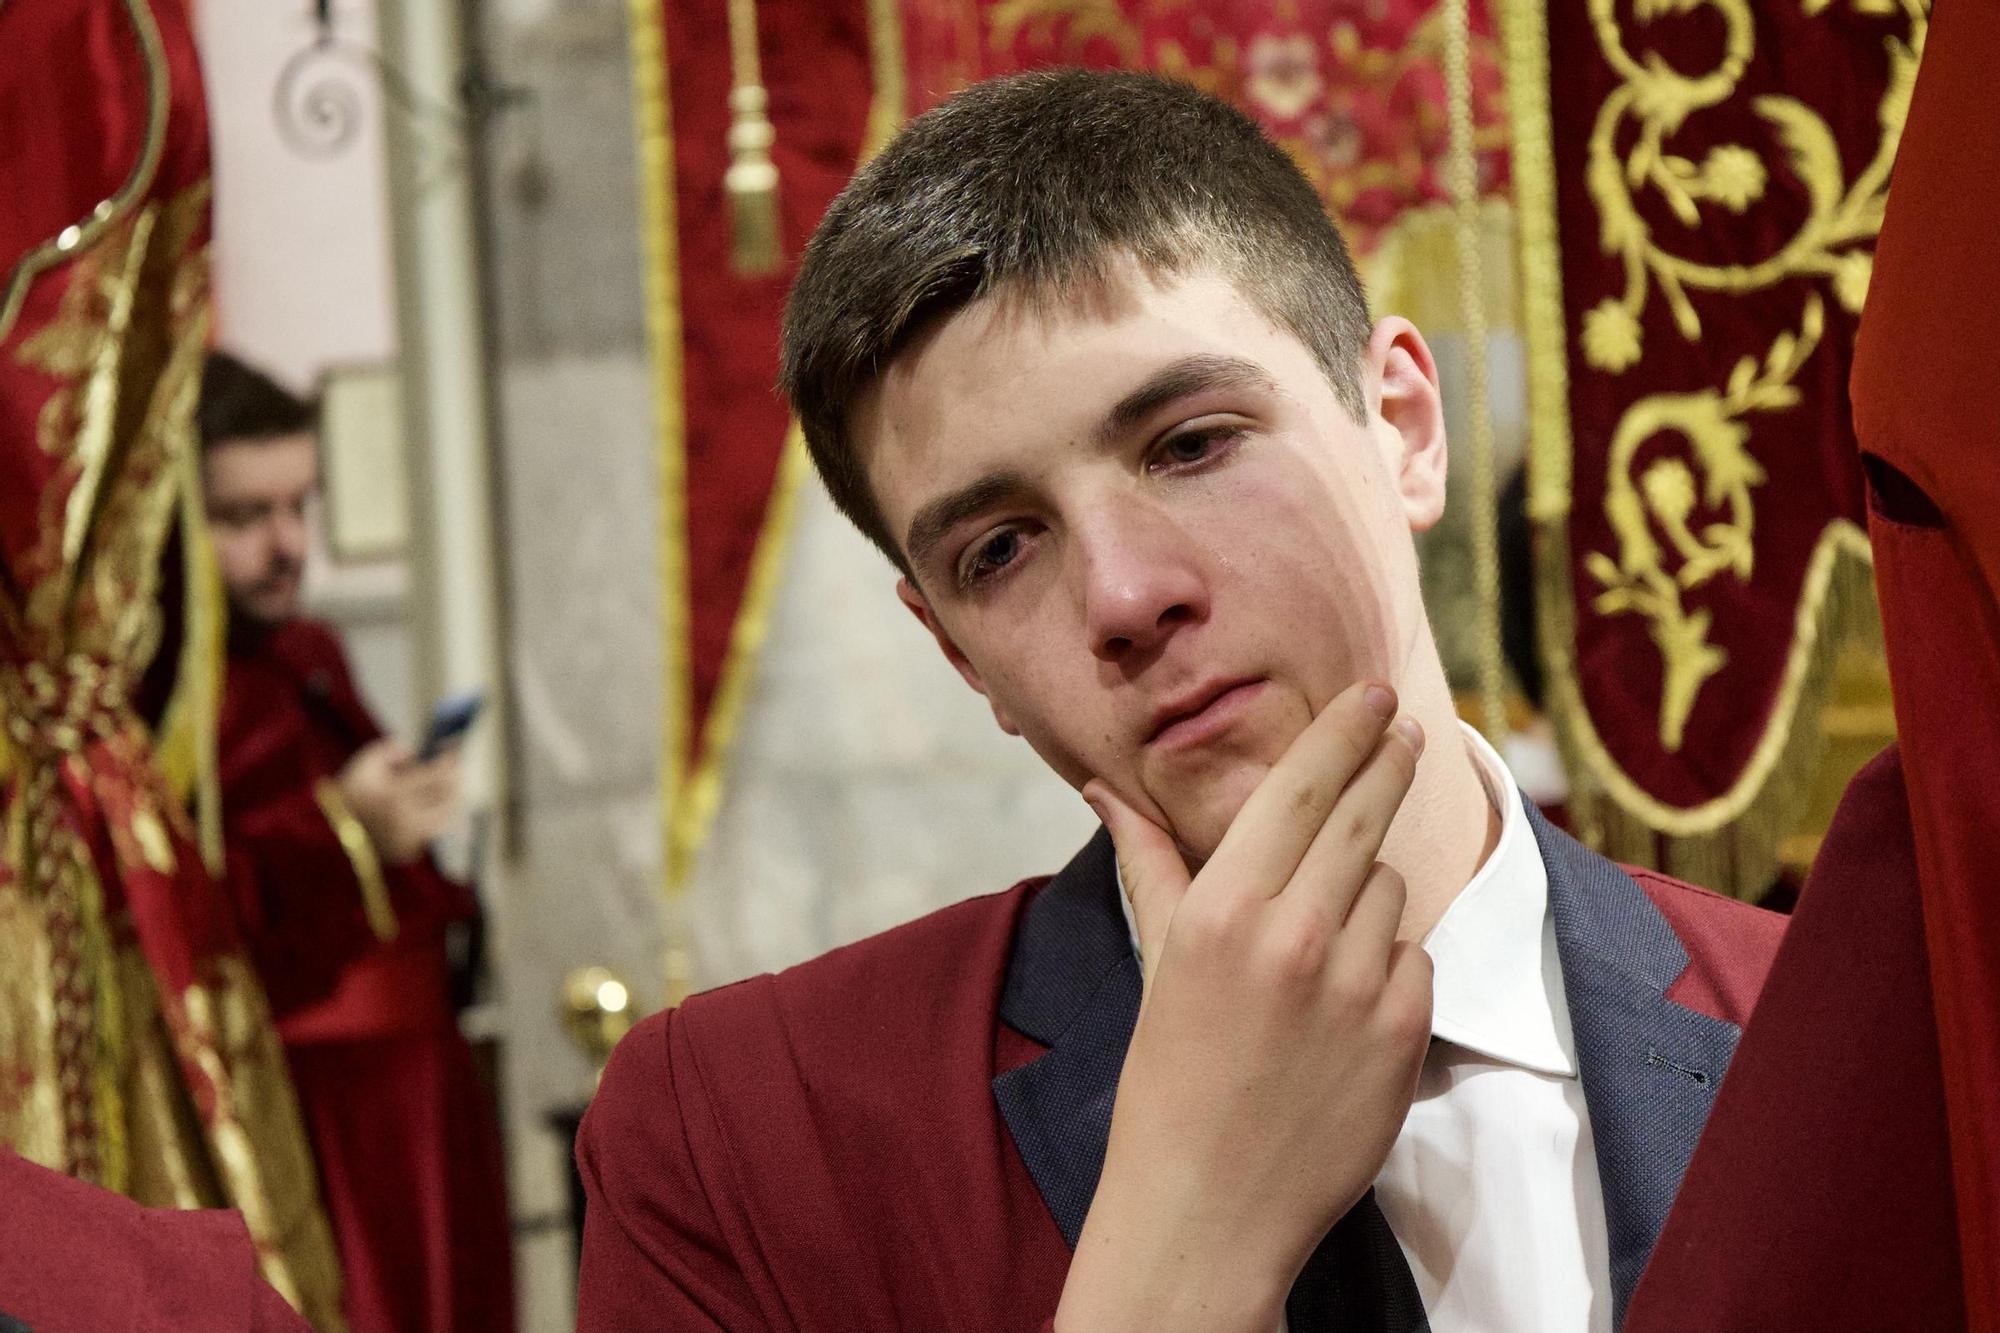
(989, 557)
(1193, 446)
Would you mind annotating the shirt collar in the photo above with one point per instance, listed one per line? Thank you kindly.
(1496, 981)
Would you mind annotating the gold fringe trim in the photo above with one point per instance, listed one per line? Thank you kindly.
(695, 814)
(1414, 268)
(360, 849)
(1731, 842)
(692, 780)
(890, 105)
(1524, 50)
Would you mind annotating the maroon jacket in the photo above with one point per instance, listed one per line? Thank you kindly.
(906, 1133)
(78, 1259)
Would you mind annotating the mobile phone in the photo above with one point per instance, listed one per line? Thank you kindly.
(450, 720)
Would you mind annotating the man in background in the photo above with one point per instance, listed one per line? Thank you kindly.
(328, 824)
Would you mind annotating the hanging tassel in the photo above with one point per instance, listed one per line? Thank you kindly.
(752, 179)
(752, 183)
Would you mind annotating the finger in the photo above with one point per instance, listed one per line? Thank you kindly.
(1410, 979)
(1369, 935)
(1280, 820)
(1350, 838)
(430, 784)
(438, 804)
(1150, 869)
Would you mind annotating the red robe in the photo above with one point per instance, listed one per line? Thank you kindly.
(78, 1259)
(408, 1151)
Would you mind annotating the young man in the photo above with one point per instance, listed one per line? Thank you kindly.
(1364, 1043)
(328, 825)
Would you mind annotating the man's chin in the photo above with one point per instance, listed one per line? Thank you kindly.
(1201, 790)
(1199, 820)
(265, 611)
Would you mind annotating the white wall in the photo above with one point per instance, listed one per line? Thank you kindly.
(301, 257)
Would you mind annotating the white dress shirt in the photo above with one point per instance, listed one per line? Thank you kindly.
(1492, 1186)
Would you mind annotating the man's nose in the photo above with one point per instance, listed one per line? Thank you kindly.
(1142, 579)
(288, 536)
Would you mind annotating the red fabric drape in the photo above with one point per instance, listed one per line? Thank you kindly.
(140, 1054)
(1927, 404)
(1850, 1176)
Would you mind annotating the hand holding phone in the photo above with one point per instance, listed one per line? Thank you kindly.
(450, 720)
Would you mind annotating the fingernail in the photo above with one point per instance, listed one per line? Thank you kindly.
(1412, 734)
(1381, 699)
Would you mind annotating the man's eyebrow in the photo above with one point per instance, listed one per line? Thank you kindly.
(1177, 380)
(941, 515)
(1168, 384)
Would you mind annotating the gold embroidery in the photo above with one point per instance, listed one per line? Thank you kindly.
(1828, 244)
(1727, 841)
(220, 1026)
(1659, 99)
(1081, 22)
(1665, 493)
(125, 345)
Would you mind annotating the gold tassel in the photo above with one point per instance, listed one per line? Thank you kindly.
(752, 179)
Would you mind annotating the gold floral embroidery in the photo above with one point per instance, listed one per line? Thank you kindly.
(1659, 99)
(1666, 494)
(1079, 21)
(1831, 245)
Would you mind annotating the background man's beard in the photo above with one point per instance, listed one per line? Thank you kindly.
(272, 598)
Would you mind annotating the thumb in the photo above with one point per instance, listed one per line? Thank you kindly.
(1150, 866)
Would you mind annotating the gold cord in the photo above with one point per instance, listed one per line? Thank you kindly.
(1462, 177)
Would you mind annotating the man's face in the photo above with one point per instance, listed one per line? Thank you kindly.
(1143, 526)
(257, 492)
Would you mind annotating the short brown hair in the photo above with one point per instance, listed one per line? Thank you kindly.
(241, 402)
(1034, 181)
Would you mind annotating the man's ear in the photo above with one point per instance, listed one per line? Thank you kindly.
(914, 599)
(1407, 414)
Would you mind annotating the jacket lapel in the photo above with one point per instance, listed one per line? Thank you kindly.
(1650, 1068)
(1072, 985)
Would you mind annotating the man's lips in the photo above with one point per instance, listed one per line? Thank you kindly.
(1196, 716)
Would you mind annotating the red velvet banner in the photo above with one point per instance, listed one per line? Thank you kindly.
(1705, 190)
(815, 59)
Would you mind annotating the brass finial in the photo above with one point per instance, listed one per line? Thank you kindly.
(597, 1010)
